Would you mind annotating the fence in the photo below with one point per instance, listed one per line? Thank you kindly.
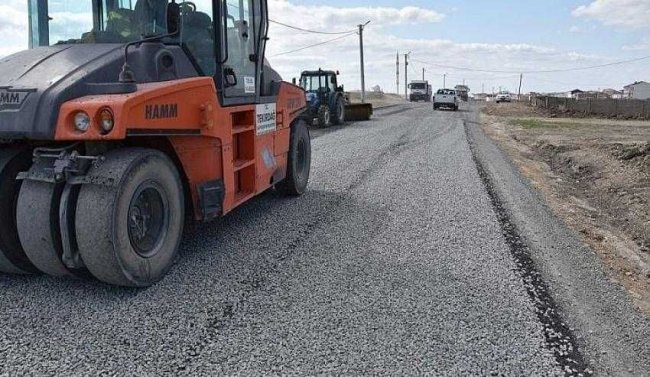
(612, 108)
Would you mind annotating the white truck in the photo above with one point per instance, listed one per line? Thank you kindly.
(446, 98)
(420, 91)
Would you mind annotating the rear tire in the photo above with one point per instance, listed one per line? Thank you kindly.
(324, 116)
(299, 162)
(13, 259)
(129, 233)
(339, 115)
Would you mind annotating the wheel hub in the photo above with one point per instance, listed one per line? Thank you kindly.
(148, 219)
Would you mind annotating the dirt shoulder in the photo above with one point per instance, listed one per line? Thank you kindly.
(595, 175)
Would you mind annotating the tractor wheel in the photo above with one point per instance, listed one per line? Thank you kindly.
(129, 233)
(299, 164)
(37, 216)
(13, 259)
(324, 116)
(339, 115)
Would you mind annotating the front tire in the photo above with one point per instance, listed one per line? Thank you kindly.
(129, 231)
(299, 162)
(324, 116)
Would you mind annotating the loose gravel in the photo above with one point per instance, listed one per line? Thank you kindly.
(394, 262)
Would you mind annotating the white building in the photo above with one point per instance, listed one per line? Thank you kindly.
(638, 90)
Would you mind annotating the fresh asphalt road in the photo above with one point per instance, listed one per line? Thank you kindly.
(394, 262)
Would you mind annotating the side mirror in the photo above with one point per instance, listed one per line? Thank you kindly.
(229, 76)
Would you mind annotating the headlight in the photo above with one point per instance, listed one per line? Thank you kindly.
(106, 120)
(81, 121)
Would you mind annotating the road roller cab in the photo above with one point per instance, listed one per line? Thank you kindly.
(123, 117)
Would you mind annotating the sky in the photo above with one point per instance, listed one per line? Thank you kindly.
(445, 35)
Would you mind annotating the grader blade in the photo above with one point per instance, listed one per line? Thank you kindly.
(358, 112)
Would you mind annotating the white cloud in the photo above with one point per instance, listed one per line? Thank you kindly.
(643, 45)
(326, 16)
(13, 26)
(626, 13)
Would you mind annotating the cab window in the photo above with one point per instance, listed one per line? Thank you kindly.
(243, 24)
(197, 34)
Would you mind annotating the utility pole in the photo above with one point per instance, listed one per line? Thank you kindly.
(363, 74)
(521, 79)
(444, 81)
(397, 80)
(483, 88)
(423, 74)
(406, 75)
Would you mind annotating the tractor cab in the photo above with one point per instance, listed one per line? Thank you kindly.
(319, 81)
(324, 97)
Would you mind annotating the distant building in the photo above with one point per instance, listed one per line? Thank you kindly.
(613, 93)
(576, 93)
(638, 90)
(480, 96)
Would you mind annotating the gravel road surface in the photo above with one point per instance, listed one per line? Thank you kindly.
(397, 261)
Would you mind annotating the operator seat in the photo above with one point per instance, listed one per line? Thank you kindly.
(151, 17)
(121, 22)
(198, 36)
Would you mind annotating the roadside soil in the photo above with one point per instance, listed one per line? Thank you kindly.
(595, 175)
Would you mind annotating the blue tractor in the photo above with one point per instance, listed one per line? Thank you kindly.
(325, 99)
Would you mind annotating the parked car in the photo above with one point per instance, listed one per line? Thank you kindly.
(503, 97)
(446, 98)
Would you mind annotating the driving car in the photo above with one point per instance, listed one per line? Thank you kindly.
(446, 98)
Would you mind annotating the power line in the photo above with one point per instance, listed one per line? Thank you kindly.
(315, 45)
(312, 31)
(541, 71)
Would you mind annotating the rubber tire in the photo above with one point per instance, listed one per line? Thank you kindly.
(324, 117)
(339, 115)
(37, 218)
(13, 259)
(102, 218)
(435, 106)
(295, 184)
